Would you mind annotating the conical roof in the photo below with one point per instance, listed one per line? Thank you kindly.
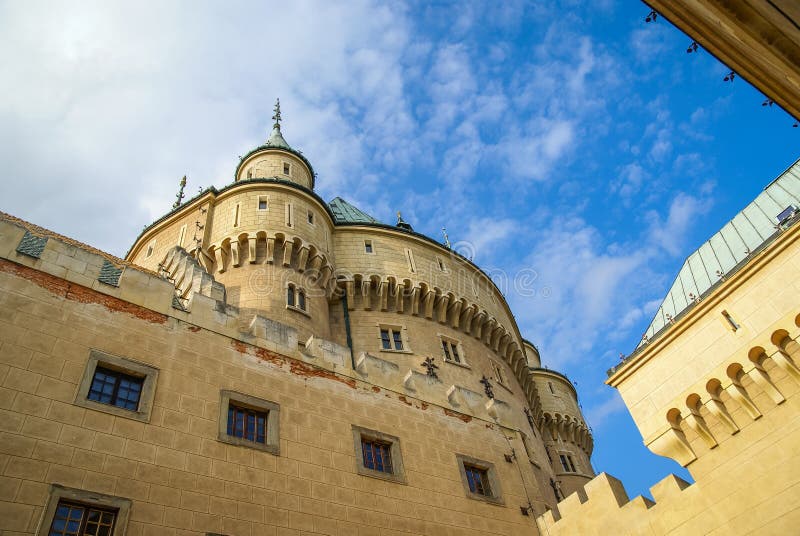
(276, 139)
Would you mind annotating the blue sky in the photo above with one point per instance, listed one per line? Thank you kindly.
(576, 151)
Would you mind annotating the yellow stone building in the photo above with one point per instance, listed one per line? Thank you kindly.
(715, 385)
(265, 363)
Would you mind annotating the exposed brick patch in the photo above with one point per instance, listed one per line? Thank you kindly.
(308, 371)
(457, 415)
(79, 293)
(295, 367)
(404, 400)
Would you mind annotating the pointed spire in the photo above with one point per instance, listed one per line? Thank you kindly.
(276, 138)
(180, 195)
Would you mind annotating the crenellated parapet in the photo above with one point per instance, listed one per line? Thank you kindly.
(268, 247)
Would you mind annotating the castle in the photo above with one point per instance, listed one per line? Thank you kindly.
(264, 362)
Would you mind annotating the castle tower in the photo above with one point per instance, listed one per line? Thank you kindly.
(266, 238)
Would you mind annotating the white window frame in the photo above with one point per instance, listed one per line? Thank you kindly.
(451, 342)
(392, 329)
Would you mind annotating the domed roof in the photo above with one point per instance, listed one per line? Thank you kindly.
(277, 141)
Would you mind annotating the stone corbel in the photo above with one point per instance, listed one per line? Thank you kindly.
(236, 260)
(270, 250)
(738, 393)
(718, 410)
(302, 259)
(220, 258)
(698, 424)
(288, 247)
(762, 379)
(456, 314)
(672, 444)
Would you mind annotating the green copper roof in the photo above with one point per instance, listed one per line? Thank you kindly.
(732, 247)
(276, 139)
(344, 212)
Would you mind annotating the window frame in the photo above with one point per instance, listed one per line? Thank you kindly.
(265, 200)
(369, 247)
(447, 355)
(272, 409)
(310, 218)
(297, 292)
(495, 495)
(567, 463)
(393, 329)
(398, 469)
(125, 366)
(59, 493)
(287, 168)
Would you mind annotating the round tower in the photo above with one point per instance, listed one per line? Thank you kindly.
(566, 436)
(267, 238)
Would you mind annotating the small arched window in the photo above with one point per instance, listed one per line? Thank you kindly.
(301, 300)
(290, 295)
(250, 173)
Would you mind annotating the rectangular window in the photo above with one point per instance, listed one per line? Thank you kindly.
(310, 218)
(391, 339)
(498, 373)
(286, 168)
(248, 421)
(567, 463)
(290, 295)
(478, 480)
(116, 388)
(377, 455)
(368, 246)
(451, 352)
(181, 235)
(410, 258)
(150, 248)
(263, 202)
(731, 322)
(237, 215)
(247, 424)
(550, 385)
(289, 215)
(76, 519)
(77, 512)
(441, 265)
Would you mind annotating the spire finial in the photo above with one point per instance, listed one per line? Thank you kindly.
(277, 116)
(446, 238)
(403, 224)
(180, 194)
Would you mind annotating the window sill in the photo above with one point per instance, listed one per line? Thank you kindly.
(113, 410)
(391, 477)
(298, 310)
(574, 473)
(487, 499)
(241, 442)
(396, 351)
(462, 365)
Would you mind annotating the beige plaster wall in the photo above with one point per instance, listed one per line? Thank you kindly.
(269, 163)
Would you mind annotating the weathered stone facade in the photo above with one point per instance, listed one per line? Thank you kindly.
(207, 312)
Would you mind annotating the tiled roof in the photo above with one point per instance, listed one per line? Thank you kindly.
(730, 248)
(344, 212)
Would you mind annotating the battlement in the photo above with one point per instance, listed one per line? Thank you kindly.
(604, 503)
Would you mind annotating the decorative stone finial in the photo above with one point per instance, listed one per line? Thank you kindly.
(402, 224)
(446, 238)
(180, 194)
(277, 116)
